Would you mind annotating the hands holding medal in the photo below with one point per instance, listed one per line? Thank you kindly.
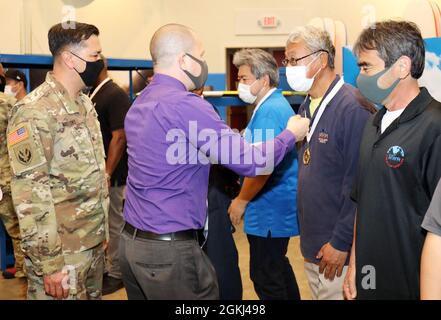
(299, 127)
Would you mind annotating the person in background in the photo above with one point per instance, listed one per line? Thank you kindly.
(399, 166)
(268, 201)
(112, 104)
(16, 84)
(169, 164)
(2, 79)
(7, 212)
(328, 159)
(431, 257)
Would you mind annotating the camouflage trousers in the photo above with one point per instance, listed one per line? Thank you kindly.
(88, 272)
(10, 220)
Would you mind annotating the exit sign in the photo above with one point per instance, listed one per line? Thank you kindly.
(269, 22)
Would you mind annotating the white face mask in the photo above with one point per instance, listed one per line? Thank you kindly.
(297, 77)
(9, 92)
(245, 93)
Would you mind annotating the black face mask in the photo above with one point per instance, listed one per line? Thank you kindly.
(2, 84)
(198, 81)
(92, 71)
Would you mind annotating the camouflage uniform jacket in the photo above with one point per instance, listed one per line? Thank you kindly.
(59, 186)
(6, 104)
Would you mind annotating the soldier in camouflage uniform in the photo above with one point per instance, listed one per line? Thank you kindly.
(7, 213)
(59, 185)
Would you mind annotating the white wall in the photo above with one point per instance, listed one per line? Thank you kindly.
(127, 25)
(10, 26)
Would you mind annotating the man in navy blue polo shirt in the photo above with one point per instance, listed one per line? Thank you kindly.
(327, 159)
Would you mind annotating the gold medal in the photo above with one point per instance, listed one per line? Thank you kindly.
(307, 157)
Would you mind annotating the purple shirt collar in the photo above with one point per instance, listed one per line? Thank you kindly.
(163, 79)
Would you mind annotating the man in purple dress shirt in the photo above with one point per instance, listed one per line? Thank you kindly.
(172, 137)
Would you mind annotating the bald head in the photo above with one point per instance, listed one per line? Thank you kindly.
(170, 41)
(2, 71)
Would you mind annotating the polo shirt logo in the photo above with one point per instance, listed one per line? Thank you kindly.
(395, 157)
(323, 137)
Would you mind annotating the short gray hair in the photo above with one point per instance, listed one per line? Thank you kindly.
(260, 62)
(315, 40)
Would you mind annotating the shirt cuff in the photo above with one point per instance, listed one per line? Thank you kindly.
(52, 265)
(431, 226)
(340, 244)
(288, 138)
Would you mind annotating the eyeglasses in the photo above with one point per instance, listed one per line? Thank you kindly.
(293, 61)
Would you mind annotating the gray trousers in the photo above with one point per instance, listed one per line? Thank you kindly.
(116, 223)
(166, 270)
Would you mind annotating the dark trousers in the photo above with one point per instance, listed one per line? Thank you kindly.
(166, 270)
(220, 246)
(270, 269)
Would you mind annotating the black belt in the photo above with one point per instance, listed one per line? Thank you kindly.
(176, 236)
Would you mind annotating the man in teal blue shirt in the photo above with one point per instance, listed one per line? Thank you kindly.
(268, 202)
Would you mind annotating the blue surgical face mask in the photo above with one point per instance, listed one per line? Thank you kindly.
(245, 93)
(369, 88)
(9, 92)
(297, 76)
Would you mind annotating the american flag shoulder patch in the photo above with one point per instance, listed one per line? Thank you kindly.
(18, 135)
